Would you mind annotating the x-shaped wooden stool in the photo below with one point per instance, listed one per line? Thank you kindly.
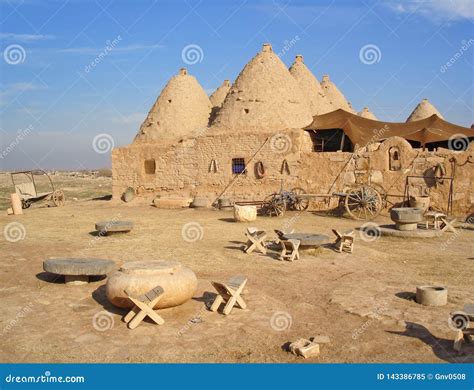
(448, 225)
(230, 293)
(256, 240)
(289, 250)
(144, 307)
(344, 241)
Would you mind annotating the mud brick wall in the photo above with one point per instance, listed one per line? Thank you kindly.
(187, 168)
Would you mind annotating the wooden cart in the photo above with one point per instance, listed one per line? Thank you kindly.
(361, 202)
(27, 190)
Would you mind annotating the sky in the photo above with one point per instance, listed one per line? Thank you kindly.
(78, 77)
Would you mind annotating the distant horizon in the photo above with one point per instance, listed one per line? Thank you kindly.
(78, 80)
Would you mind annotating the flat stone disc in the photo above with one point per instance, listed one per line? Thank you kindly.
(390, 230)
(150, 267)
(72, 266)
(307, 239)
(114, 226)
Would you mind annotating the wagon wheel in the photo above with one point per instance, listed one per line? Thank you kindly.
(363, 203)
(274, 205)
(58, 198)
(300, 204)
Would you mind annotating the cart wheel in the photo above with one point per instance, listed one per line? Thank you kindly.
(58, 198)
(363, 203)
(300, 204)
(274, 205)
(25, 204)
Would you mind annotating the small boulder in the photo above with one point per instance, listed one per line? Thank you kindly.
(245, 213)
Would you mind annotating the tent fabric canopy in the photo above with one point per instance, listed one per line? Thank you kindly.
(362, 131)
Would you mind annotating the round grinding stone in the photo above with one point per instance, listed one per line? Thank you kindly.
(88, 267)
(114, 226)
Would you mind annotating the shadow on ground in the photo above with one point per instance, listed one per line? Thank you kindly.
(442, 348)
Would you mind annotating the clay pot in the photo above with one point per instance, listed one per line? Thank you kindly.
(138, 277)
(420, 202)
(245, 213)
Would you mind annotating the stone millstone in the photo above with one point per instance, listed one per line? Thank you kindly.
(114, 226)
(307, 239)
(75, 267)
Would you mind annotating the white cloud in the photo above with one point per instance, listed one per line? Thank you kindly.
(438, 10)
(25, 37)
(15, 89)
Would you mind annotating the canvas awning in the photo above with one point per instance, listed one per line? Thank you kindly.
(362, 131)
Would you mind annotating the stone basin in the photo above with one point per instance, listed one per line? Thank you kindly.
(138, 277)
(406, 218)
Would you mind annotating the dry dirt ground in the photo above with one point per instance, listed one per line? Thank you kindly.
(362, 301)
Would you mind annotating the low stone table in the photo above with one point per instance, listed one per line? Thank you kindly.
(307, 240)
(106, 227)
(77, 271)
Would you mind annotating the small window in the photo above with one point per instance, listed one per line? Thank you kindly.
(246, 110)
(238, 166)
(150, 167)
(394, 158)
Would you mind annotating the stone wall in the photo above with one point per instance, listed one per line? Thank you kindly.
(203, 166)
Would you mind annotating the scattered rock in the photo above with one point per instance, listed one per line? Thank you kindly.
(304, 348)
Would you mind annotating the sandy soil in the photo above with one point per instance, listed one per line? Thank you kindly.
(361, 301)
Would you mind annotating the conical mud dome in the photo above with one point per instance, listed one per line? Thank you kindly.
(334, 95)
(312, 90)
(264, 96)
(423, 110)
(365, 113)
(218, 96)
(182, 108)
